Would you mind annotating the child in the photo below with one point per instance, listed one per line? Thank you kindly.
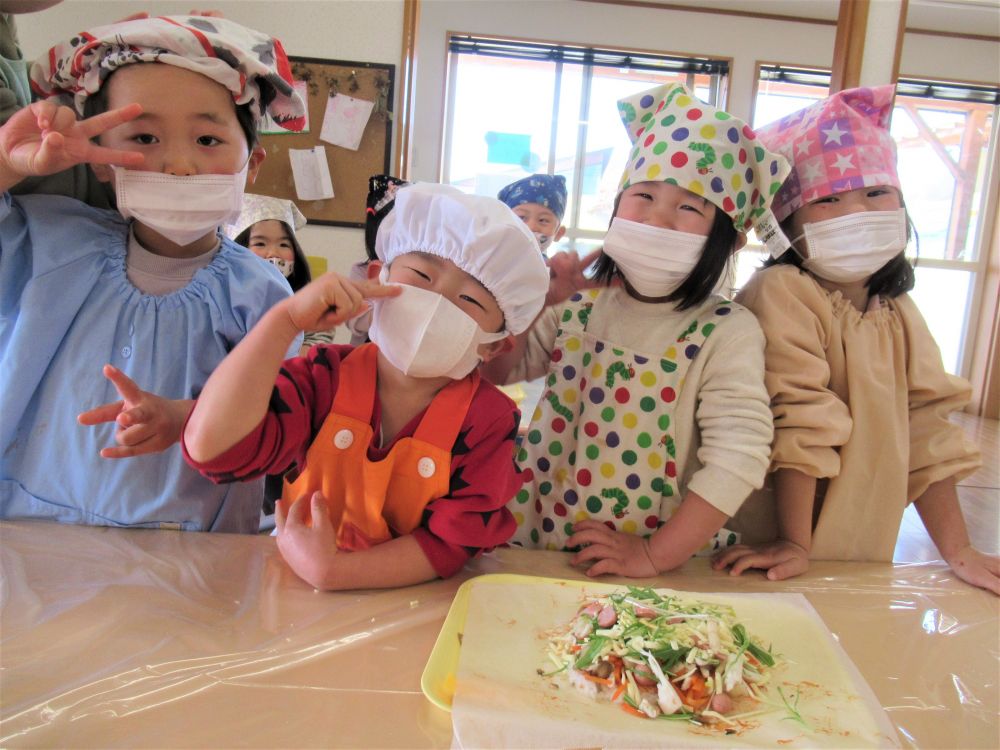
(655, 423)
(540, 202)
(267, 226)
(381, 198)
(162, 297)
(859, 395)
(404, 455)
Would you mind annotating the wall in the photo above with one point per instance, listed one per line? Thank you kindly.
(372, 30)
(745, 40)
(368, 30)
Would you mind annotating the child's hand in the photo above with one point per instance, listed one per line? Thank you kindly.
(331, 299)
(977, 568)
(308, 550)
(566, 275)
(44, 138)
(781, 559)
(147, 423)
(610, 551)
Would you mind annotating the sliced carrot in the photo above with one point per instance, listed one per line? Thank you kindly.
(697, 703)
(598, 680)
(634, 711)
(697, 687)
(618, 692)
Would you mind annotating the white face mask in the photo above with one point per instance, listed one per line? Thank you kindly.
(544, 240)
(285, 266)
(853, 247)
(183, 208)
(653, 260)
(425, 335)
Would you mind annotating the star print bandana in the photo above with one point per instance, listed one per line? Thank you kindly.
(547, 190)
(676, 138)
(838, 144)
(252, 65)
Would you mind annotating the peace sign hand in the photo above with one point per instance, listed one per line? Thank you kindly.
(44, 138)
(147, 423)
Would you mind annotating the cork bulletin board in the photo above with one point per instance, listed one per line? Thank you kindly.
(349, 169)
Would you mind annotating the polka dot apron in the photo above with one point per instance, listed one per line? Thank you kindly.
(600, 445)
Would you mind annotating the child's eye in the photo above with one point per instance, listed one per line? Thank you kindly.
(644, 196)
(144, 139)
(419, 273)
(827, 199)
(208, 140)
(690, 207)
(876, 192)
(467, 298)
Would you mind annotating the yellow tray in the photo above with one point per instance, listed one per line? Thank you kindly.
(438, 679)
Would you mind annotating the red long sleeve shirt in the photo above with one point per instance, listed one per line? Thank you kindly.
(473, 515)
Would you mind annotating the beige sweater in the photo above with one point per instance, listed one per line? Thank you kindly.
(722, 423)
(859, 399)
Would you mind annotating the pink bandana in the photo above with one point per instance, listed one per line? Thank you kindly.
(841, 143)
(250, 64)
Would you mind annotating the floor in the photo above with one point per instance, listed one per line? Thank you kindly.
(979, 495)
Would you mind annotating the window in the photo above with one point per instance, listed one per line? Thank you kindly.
(516, 108)
(944, 134)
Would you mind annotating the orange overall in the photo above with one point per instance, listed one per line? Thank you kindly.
(372, 501)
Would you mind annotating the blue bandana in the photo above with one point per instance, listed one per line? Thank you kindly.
(544, 189)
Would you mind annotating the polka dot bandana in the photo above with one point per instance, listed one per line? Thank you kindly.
(676, 138)
(841, 143)
(252, 65)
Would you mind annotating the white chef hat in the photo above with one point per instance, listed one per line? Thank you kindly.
(480, 235)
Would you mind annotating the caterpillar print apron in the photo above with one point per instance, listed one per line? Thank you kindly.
(600, 445)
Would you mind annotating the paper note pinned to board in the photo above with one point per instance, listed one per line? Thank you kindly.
(344, 120)
(311, 173)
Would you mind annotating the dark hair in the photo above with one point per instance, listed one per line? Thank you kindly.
(97, 103)
(695, 289)
(301, 274)
(893, 279)
(380, 201)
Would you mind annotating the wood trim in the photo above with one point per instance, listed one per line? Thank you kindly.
(780, 17)
(954, 35)
(900, 33)
(945, 79)
(849, 45)
(407, 81)
(984, 371)
(712, 11)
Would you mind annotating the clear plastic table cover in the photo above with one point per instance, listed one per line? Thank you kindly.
(137, 638)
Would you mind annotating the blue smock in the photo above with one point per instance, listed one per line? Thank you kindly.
(67, 309)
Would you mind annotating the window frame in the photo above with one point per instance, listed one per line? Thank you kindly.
(574, 235)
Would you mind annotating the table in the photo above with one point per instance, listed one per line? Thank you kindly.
(141, 638)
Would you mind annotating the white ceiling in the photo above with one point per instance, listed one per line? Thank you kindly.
(981, 17)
